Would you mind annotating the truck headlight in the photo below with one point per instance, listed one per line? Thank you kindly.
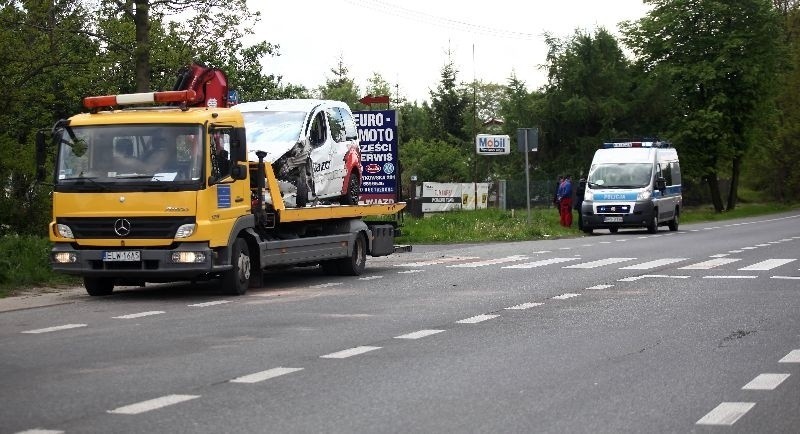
(644, 195)
(188, 257)
(185, 231)
(64, 231)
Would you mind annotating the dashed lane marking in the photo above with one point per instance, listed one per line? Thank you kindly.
(653, 264)
(565, 296)
(727, 413)
(152, 404)
(139, 315)
(654, 276)
(326, 285)
(264, 375)
(600, 287)
(40, 431)
(210, 303)
(55, 329)
(410, 271)
(370, 278)
(792, 357)
(496, 261)
(418, 334)
(762, 245)
(749, 248)
(524, 306)
(599, 263)
(769, 264)
(707, 265)
(786, 277)
(438, 261)
(720, 255)
(765, 382)
(350, 352)
(735, 251)
(730, 277)
(541, 263)
(476, 319)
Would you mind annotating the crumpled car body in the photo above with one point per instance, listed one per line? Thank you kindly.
(312, 145)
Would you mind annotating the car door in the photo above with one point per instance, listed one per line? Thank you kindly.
(321, 147)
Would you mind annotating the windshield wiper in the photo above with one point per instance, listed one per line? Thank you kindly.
(91, 179)
(134, 176)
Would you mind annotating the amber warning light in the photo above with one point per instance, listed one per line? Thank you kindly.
(94, 102)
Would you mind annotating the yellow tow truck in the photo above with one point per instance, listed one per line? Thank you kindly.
(148, 188)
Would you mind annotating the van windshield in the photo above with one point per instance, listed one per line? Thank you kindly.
(620, 175)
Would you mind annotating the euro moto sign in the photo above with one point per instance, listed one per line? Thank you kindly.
(489, 144)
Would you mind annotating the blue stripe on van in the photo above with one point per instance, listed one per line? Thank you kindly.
(628, 196)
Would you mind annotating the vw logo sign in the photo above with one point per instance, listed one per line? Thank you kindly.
(388, 168)
(122, 227)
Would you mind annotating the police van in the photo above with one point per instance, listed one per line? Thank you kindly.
(632, 184)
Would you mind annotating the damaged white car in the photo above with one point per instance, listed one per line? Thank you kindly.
(312, 145)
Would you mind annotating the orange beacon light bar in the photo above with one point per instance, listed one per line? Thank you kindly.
(95, 102)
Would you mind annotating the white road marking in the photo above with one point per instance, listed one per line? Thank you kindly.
(437, 261)
(769, 264)
(647, 276)
(653, 264)
(152, 404)
(762, 245)
(600, 287)
(418, 334)
(695, 230)
(524, 306)
(565, 296)
(495, 261)
(786, 277)
(599, 263)
(410, 271)
(544, 251)
(749, 248)
(786, 239)
(40, 431)
(476, 319)
(707, 265)
(264, 375)
(326, 285)
(727, 413)
(605, 242)
(565, 248)
(774, 242)
(730, 277)
(642, 238)
(139, 315)
(622, 240)
(210, 303)
(350, 352)
(735, 251)
(792, 357)
(720, 255)
(370, 278)
(765, 382)
(55, 329)
(541, 263)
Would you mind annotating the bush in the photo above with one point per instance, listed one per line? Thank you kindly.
(24, 262)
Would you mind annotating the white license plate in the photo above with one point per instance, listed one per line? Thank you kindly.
(612, 219)
(123, 255)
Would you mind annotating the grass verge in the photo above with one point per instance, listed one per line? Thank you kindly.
(24, 263)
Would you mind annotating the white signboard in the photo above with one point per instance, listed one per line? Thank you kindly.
(440, 197)
(490, 144)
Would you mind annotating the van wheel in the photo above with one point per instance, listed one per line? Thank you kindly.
(236, 280)
(587, 231)
(353, 190)
(355, 264)
(673, 224)
(302, 192)
(652, 227)
(613, 230)
(98, 286)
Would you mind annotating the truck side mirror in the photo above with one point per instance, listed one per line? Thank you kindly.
(239, 171)
(41, 155)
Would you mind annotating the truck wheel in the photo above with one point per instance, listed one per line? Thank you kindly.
(236, 280)
(652, 227)
(673, 224)
(98, 286)
(353, 190)
(354, 265)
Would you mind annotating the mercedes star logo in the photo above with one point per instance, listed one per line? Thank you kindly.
(122, 227)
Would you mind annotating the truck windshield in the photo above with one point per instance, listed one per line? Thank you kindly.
(109, 155)
(620, 175)
(273, 132)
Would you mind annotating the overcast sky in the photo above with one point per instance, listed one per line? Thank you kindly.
(407, 41)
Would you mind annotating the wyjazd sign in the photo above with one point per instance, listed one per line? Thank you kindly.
(489, 144)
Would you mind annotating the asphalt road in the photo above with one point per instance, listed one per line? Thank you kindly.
(689, 331)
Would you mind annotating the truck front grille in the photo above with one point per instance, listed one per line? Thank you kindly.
(137, 227)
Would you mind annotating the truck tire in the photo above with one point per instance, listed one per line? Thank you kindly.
(673, 224)
(355, 263)
(98, 286)
(236, 280)
(353, 190)
(652, 227)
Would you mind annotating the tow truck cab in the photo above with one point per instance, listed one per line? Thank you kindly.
(632, 184)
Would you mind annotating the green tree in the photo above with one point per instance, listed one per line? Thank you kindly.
(447, 107)
(722, 58)
(340, 87)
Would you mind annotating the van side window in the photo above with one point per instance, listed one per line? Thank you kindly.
(337, 125)
(351, 133)
(676, 173)
(666, 172)
(318, 132)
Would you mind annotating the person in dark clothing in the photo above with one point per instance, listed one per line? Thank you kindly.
(565, 200)
(579, 201)
(555, 195)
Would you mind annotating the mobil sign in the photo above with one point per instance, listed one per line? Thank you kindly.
(490, 144)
